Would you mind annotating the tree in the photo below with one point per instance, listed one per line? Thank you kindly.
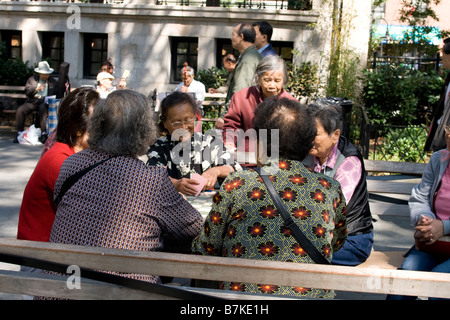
(415, 13)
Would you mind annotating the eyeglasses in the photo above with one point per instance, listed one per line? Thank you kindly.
(179, 124)
(447, 128)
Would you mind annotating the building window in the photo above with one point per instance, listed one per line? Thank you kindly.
(95, 53)
(53, 48)
(224, 47)
(183, 50)
(13, 43)
(284, 49)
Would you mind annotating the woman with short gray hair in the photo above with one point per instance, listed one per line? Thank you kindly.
(118, 201)
(270, 79)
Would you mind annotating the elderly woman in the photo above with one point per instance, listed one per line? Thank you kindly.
(336, 157)
(185, 153)
(245, 223)
(430, 215)
(121, 202)
(270, 78)
(38, 209)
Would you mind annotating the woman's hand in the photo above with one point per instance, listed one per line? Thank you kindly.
(429, 230)
(211, 176)
(185, 185)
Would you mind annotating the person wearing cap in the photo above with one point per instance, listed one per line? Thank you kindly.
(104, 86)
(38, 86)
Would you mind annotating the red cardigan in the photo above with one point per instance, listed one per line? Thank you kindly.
(38, 210)
(242, 110)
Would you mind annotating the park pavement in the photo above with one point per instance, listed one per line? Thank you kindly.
(17, 163)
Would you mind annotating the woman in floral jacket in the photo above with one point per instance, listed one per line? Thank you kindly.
(184, 152)
(244, 222)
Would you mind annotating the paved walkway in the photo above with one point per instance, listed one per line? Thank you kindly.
(17, 163)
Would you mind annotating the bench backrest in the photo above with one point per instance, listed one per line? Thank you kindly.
(372, 280)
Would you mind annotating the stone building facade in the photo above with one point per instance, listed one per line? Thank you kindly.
(151, 40)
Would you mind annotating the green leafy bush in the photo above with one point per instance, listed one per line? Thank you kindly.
(304, 81)
(403, 144)
(13, 72)
(212, 77)
(398, 95)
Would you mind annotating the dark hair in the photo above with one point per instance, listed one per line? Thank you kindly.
(329, 115)
(74, 115)
(264, 28)
(123, 124)
(172, 100)
(294, 123)
(247, 31)
(446, 47)
(231, 58)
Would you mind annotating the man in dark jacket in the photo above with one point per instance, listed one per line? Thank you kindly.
(264, 32)
(436, 136)
(37, 88)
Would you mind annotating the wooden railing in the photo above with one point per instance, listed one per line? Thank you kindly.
(371, 280)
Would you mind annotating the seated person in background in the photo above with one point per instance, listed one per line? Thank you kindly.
(117, 83)
(37, 88)
(270, 78)
(229, 63)
(244, 221)
(185, 153)
(336, 157)
(430, 215)
(38, 209)
(121, 203)
(104, 84)
(189, 84)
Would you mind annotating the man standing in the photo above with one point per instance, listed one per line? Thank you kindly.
(242, 39)
(436, 136)
(263, 36)
(37, 88)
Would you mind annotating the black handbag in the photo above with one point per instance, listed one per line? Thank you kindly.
(304, 242)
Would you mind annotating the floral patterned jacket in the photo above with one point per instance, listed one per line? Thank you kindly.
(244, 222)
(205, 151)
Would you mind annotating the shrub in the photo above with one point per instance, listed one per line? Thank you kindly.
(212, 77)
(13, 71)
(304, 81)
(397, 95)
(403, 144)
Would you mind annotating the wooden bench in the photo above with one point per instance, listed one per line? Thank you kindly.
(15, 95)
(388, 196)
(390, 191)
(214, 100)
(13, 92)
(368, 280)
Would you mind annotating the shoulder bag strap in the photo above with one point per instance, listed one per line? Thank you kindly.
(70, 181)
(310, 249)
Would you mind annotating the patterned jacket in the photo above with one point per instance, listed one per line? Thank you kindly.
(122, 204)
(244, 223)
(204, 152)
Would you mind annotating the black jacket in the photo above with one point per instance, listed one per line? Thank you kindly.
(436, 135)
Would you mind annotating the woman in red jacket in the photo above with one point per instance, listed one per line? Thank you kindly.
(270, 77)
(38, 210)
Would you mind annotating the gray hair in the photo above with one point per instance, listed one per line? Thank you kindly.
(271, 63)
(123, 124)
(330, 115)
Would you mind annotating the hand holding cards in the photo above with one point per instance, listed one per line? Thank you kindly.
(201, 180)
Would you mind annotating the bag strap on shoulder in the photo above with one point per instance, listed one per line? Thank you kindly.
(304, 242)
